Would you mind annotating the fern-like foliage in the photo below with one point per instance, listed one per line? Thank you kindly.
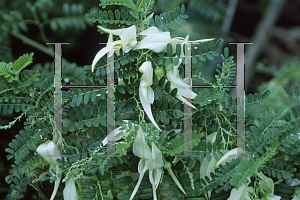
(73, 18)
(294, 93)
(107, 18)
(127, 3)
(11, 71)
(226, 71)
(207, 95)
(172, 19)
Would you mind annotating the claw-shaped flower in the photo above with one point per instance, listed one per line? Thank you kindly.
(145, 91)
(50, 153)
(127, 42)
(141, 150)
(154, 165)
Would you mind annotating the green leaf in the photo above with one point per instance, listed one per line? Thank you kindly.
(178, 50)
(174, 92)
(162, 81)
(169, 50)
(168, 86)
(158, 93)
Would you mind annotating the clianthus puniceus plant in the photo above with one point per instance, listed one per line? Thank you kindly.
(149, 160)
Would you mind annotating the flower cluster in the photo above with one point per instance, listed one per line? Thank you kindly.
(155, 40)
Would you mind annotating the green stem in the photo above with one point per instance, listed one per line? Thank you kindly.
(37, 22)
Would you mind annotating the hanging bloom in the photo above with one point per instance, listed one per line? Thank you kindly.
(50, 153)
(127, 42)
(70, 192)
(155, 40)
(141, 150)
(154, 165)
(145, 91)
(242, 193)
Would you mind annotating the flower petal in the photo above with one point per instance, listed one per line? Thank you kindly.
(147, 107)
(98, 56)
(57, 182)
(238, 151)
(140, 147)
(156, 42)
(150, 31)
(112, 31)
(70, 190)
(156, 161)
(178, 96)
(128, 33)
(147, 70)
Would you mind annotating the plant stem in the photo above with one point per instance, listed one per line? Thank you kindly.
(28, 41)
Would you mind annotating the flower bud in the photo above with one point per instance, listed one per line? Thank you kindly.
(169, 67)
(159, 71)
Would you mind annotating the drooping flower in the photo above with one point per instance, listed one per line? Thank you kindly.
(154, 165)
(145, 91)
(127, 42)
(141, 150)
(155, 40)
(70, 192)
(50, 153)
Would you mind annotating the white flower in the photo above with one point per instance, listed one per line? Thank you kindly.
(155, 40)
(70, 192)
(127, 42)
(229, 155)
(242, 193)
(141, 150)
(140, 147)
(50, 153)
(118, 134)
(154, 165)
(145, 91)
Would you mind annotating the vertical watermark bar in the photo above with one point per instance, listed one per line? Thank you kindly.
(110, 103)
(241, 96)
(57, 138)
(188, 136)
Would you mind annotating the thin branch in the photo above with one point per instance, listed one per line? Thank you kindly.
(288, 36)
(229, 16)
(261, 37)
(28, 41)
